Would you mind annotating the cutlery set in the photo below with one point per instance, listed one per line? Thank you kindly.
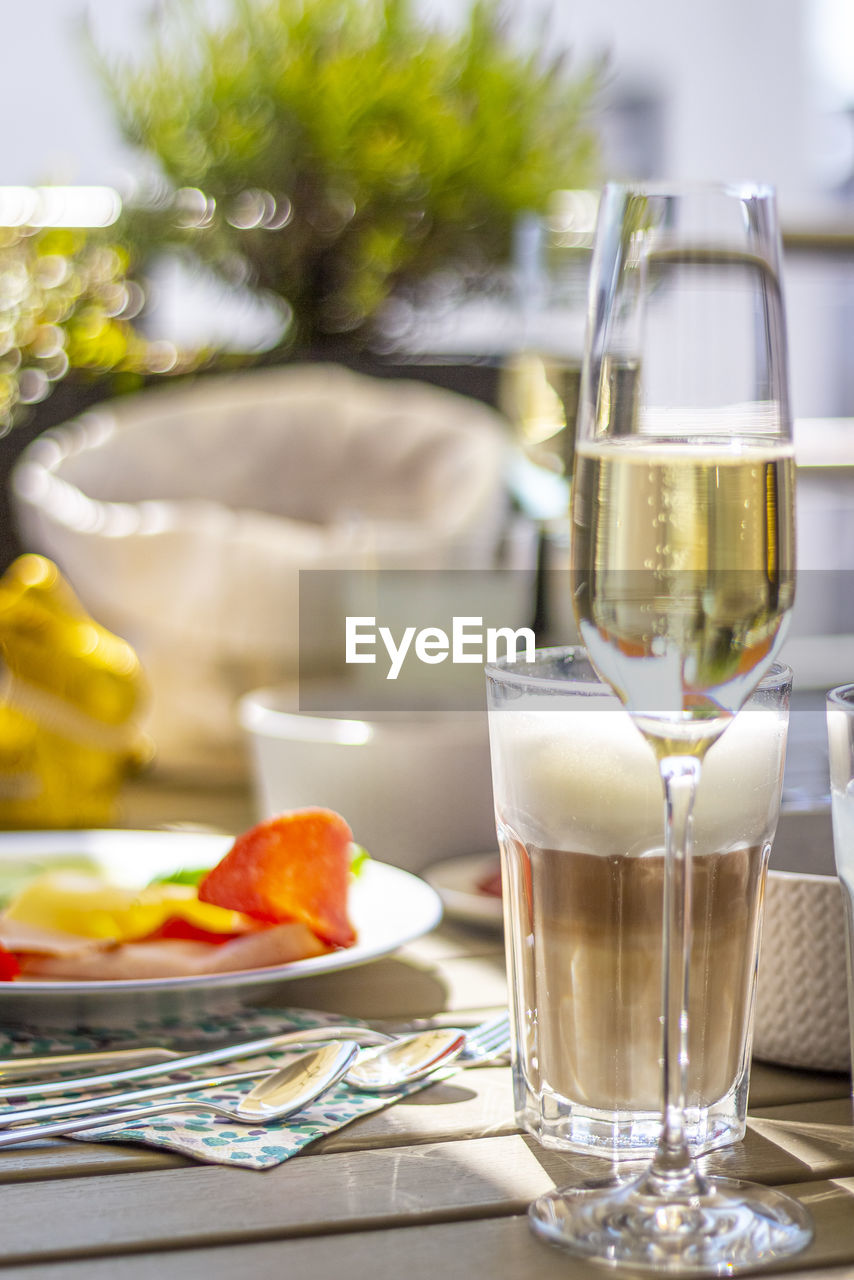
(331, 1054)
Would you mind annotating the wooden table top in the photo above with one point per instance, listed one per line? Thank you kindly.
(434, 1186)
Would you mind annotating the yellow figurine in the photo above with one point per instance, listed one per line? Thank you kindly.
(71, 695)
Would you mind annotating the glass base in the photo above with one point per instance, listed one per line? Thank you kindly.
(729, 1226)
(563, 1125)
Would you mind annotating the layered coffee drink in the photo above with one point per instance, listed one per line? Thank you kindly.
(579, 805)
(595, 955)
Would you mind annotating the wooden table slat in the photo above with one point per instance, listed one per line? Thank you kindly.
(410, 984)
(475, 1103)
(772, 1086)
(61, 1158)
(485, 1246)
(314, 1195)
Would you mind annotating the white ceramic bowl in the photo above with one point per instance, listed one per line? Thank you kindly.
(414, 788)
(801, 998)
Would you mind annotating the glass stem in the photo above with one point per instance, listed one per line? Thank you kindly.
(672, 1170)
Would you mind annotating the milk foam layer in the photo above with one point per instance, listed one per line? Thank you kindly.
(586, 780)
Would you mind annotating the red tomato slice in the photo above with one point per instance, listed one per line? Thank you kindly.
(295, 866)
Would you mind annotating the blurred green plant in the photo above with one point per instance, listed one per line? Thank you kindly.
(338, 153)
(67, 301)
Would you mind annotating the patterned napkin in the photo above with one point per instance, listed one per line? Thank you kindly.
(205, 1137)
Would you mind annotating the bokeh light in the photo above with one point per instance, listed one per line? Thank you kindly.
(67, 299)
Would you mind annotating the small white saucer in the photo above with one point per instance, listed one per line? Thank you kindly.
(457, 880)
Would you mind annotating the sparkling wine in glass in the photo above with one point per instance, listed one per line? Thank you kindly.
(682, 554)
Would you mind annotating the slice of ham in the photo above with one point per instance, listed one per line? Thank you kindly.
(280, 944)
(125, 960)
(18, 936)
(52, 956)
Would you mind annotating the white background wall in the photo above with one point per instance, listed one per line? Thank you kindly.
(735, 77)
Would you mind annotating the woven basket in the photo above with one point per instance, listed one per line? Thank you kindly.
(801, 999)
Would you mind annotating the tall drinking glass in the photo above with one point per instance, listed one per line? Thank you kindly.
(682, 552)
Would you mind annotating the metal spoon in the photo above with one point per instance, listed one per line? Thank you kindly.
(280, 1094)
(405, 1060)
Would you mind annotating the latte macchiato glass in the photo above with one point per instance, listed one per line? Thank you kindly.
(578, 801)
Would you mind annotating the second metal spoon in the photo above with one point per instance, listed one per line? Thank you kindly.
(405, 1060)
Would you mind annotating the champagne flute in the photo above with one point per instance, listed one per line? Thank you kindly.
(682, 551)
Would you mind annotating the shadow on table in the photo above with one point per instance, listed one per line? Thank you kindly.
(388, 988)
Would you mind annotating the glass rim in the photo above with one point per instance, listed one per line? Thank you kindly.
(502, 669)
(843, 697)
(745, 190)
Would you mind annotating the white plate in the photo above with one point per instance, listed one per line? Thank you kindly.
(388, 907)
(456, 881)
